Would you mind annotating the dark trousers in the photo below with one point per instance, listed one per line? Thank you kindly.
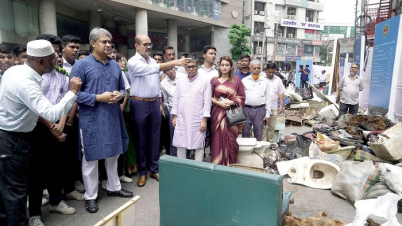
(322, 84)
(63, 166)
(304, 84)
(72, 143)
(165, 134)
(14, 168)
(343, 108)
(255, 118)
(147, 125)
(39, 168)
(52, 165)
(173, 149)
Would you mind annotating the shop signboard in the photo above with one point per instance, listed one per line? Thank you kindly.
(312, 34)
(301, 24)
(292, 58)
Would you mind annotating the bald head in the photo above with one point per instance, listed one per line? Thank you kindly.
(141, 38)
(143, 45)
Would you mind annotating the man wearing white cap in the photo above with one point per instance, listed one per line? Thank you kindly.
(21, 103)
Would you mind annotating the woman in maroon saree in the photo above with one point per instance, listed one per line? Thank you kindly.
(224, 148)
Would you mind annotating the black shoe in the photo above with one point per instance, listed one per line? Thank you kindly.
(91, 206)
(122, 193)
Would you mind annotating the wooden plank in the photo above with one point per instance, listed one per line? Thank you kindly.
(117, 212)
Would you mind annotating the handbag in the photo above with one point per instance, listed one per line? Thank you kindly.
(235, 115)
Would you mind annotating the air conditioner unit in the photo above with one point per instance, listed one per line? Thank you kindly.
(259, 50)
(290, 35)
(255, 11)
(279, 35)
(262, 13)
(307, 19)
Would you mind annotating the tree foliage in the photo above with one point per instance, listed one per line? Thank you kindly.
(323, 54)
(237, 38)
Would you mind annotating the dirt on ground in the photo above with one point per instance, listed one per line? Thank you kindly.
(320, 220)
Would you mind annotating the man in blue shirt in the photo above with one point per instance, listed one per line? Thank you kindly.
(304, 77)
(245, 69)
(102, 131)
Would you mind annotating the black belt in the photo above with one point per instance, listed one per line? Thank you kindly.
(259, 106)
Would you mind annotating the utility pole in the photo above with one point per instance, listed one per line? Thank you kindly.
(275, 42)
(362, 22)
(357, 2)
(264, 36)
(327, 44)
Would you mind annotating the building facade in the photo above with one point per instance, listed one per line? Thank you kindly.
(291, 29)
(187, 25)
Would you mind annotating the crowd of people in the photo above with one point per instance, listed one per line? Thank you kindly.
(71, 120)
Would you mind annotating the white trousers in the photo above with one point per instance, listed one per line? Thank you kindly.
(91, 178)
(199, 154)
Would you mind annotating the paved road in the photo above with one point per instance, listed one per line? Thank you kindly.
(307, 203)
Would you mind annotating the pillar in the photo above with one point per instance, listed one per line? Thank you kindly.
(141, 21)
(187, 43)
(94, 20)
(172, 34)
(122, 28)
(47, 17)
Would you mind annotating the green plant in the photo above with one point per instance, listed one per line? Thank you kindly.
(324, 51)
(237, 38)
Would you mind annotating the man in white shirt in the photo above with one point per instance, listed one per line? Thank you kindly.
(257, 104)
(146, 106)
(348, 91)
(70, 49)
(276, 92)
(21, 102)
(322, 78)
(208, 69)
(168, 88)
(48, 137)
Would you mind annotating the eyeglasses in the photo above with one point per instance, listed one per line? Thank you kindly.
(191, 67)
(146, 45)
(354, 67)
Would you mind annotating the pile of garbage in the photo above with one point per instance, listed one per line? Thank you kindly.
(357, 157)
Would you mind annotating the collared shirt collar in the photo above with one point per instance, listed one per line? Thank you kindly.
(139, 57)
(175, 77)
(195, 76)
(247, 73)
(354, 77)
(207, 70)
(35, 74)
(67, 63)
(273, 78)
(108, 59)
(250, 77)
